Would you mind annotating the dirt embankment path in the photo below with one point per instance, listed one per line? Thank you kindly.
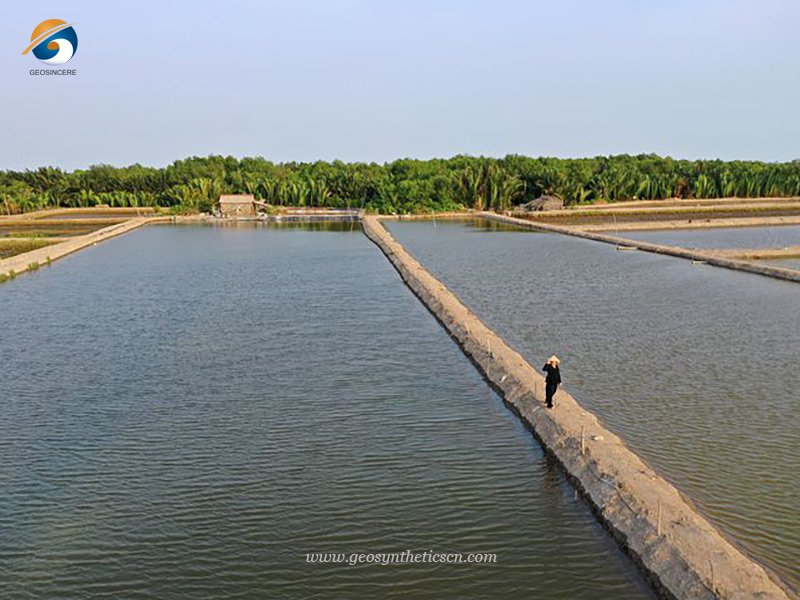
(682, 554)
(758, 253)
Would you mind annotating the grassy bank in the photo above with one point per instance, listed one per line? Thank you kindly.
(9, 248)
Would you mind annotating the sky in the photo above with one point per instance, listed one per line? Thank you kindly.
(377, 80)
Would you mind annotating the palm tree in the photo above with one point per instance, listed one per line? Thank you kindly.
(318, 192)
(470, 186)
(504, 189)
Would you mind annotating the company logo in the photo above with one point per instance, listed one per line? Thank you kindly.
(53, 42)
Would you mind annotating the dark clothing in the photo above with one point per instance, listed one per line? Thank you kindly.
(553, 374)
(551, 383)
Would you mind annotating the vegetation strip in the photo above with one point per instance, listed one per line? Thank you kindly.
(405, 185)
(696, 202)
(683, 555)
(14, 246)
(705, 256)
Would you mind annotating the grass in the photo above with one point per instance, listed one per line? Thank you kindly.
(9, 248)
(26, 234)
(106, 212)
(49, 232)
(44, 222)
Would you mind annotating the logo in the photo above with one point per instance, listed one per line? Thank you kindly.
(53, 42)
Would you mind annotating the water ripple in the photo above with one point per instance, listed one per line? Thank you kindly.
(695, 367)
(193, 421)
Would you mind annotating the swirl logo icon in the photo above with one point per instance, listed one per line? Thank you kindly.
(53, 42)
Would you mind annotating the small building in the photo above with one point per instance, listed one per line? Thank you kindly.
(543, 203)
(237, 205)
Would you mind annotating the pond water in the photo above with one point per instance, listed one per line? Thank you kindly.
(189, 411)
(722, 238)
(786, 263)
(695, 367)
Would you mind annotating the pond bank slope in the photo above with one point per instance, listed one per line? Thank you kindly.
(682, 554)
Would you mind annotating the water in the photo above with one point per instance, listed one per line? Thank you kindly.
(188, 411)
(694, 366)
(722, 238)
(786, 263)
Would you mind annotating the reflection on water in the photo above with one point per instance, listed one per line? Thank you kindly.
(188, 411)
(311, 225)
(695, 367)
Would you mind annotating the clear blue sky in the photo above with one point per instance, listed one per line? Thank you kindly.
(375, 80)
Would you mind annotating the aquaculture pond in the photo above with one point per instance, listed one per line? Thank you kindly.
(695, 367)
(722, 238)
(786, 263)
(189, 411)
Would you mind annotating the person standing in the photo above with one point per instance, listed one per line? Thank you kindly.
(553, 379)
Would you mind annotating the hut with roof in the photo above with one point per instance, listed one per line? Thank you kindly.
(237, 205)
(545, 202)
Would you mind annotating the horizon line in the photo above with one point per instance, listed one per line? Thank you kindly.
(402, 158)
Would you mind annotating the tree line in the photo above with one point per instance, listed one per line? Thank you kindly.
(406, 185)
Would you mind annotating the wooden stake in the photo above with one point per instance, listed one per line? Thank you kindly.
(658, 519)
(713, 583)
(583, 439)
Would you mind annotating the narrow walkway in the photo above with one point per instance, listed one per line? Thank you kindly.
(680, 551)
